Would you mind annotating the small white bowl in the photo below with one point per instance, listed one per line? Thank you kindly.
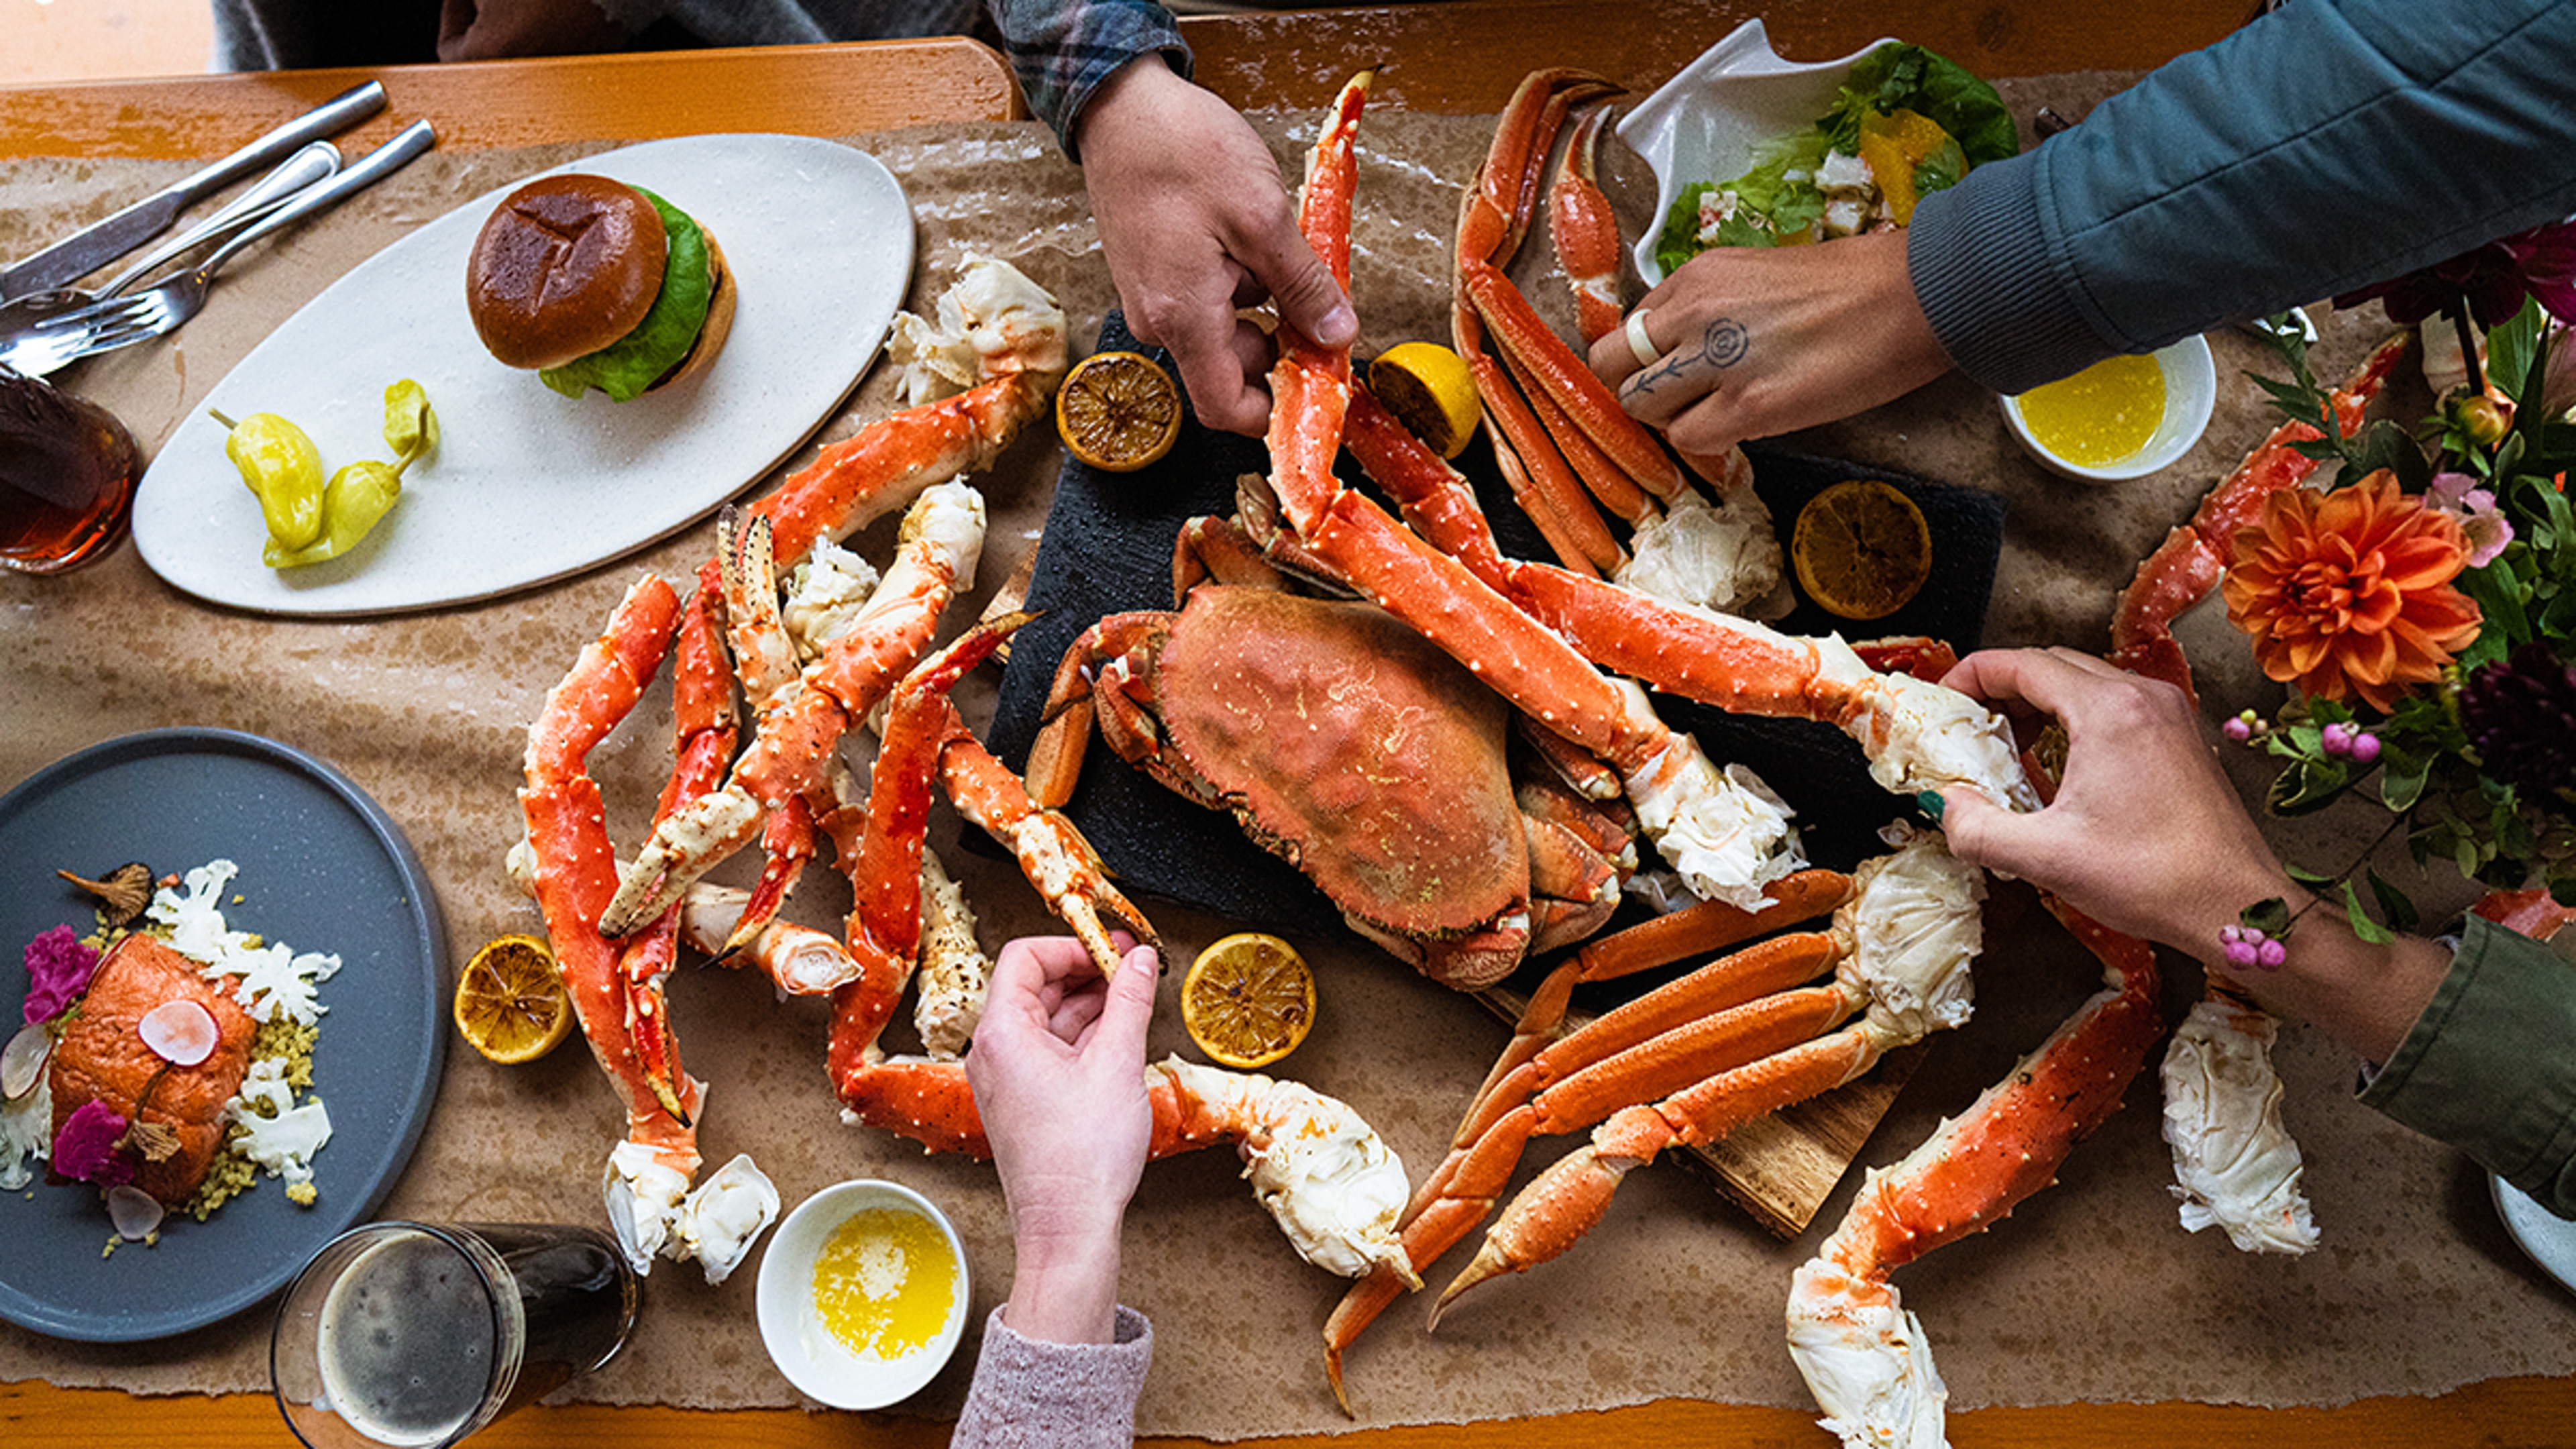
(1703, 124)
(2191, 389)
(809, 1354)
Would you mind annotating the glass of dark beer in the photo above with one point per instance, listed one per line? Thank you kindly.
(419, 1334)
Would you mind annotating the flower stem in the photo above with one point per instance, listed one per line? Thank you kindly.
(2459, 315)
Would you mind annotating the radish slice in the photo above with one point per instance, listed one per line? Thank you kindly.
(134, 1212)
(22, 1062)
(181, 1032)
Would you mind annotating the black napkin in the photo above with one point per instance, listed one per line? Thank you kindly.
(1108, 548)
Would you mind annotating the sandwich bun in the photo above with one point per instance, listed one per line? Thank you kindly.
(565, 266)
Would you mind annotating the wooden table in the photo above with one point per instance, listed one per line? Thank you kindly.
(1456, 58)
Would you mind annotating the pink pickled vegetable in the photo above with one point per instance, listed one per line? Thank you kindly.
(58, 969)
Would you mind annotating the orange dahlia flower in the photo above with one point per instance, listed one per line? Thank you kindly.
(2349, 593)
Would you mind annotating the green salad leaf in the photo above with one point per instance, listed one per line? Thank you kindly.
(1778, 195)
(625, 368)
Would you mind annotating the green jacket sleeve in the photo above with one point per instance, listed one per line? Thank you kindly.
(2490, 1067)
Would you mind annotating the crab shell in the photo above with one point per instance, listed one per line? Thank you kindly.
(1348, 746)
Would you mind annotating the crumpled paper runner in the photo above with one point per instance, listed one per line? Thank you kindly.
(2417, 1289)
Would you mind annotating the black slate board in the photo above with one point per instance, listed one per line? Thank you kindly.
(1108, 548)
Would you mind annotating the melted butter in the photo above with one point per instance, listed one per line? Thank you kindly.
(884, 1282)
(2101, 415)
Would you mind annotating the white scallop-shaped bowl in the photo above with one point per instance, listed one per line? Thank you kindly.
(2191, 390)
(1703, 124)
(808, 1353)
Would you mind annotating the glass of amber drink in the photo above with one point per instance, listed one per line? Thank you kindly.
(67, 475)
(419, 1334)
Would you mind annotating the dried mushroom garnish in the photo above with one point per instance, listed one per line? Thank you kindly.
(155, 1140)
(122, 895)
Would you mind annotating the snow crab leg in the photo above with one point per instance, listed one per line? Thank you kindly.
(995, 325)
(572, 871)
(1864, 1356)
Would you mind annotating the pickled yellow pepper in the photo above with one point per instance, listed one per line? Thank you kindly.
(324, 519)
(283, 470)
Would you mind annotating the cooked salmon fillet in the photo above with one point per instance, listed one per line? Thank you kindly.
(102, 1057)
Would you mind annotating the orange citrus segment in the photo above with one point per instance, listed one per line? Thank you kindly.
(1248, 1000)
(1893, 145)
(510, 1001)
(1118, 411)
(1861, 549)
(1430, 390)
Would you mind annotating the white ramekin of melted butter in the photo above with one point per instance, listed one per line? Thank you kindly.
(862, 1294)
(2121, 418)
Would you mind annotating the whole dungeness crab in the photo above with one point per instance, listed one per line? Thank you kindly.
(1353, 749)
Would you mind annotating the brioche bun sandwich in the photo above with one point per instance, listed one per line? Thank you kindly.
(597, 284)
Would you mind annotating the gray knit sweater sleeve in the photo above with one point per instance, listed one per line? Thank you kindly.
(1061, 1395)
(2327, 145)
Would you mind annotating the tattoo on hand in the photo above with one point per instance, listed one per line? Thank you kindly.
(1723, 344)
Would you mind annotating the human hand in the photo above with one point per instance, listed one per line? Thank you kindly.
(491, 29)
(1758, 341)
(2146, 834)
(1058, 1072)
(1195, 223)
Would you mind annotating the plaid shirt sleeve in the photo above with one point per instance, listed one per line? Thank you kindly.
(1063, 50)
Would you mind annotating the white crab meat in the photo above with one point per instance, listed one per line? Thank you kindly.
(1866, 1360)
(643, 1194)
(1726, 833)
(2235, 1166)
(1715, 556)
(1330, 1181)
(717, 1224)
(1916, 927)
(992, 320)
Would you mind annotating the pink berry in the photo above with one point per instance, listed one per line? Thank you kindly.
(2237, 730)
(2271, 954)
(2335, 738)
(2242, 953)
(2365, 748)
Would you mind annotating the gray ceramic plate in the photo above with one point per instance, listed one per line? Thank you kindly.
(2547, 1237)
(323, 868)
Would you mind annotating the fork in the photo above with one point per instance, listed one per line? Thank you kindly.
(122, 321)
(317, 161)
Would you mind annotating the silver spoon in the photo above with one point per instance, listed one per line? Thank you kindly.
(315, 162)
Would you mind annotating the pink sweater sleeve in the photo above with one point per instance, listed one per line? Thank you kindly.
(1073, 1395)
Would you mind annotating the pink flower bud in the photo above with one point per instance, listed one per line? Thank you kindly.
(2242, 953)
(2237, 729)
(2271, 954)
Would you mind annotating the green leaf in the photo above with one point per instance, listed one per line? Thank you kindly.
(2313, 880)
(1941, 170)
(2402, 775)
(2307, 785)
(2395, 904)
(2362, 925)
(2382, 444)
(2271, 917)
(2513, 348)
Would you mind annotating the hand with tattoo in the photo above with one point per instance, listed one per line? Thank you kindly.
(1753, 342)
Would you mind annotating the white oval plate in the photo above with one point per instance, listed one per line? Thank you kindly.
(1703, 124)
(527, 485)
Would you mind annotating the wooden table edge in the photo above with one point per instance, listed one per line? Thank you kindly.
(2523, 1410)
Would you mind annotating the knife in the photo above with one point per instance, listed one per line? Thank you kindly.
(95, 246)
